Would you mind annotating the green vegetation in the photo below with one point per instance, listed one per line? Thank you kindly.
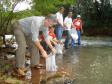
(50, 6)
(97, 17)
(40, 7)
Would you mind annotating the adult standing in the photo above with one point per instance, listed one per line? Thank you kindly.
(59, 27)
(26, 31)
(67, 24)
(78, 25)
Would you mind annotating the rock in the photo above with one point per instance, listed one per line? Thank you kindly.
(28, 75)
(9, 56)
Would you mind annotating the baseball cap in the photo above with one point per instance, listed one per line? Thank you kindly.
(78, 16)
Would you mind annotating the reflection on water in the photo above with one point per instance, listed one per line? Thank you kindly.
(95, 66)
(87, 64)
(71, 60)
(35, 76)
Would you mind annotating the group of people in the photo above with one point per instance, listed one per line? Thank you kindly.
(27, 31)
(66, 25)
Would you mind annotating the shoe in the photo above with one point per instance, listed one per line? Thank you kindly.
(79, 43)
(66, 48)
(72, 47)
(20, 71)
(39, 66)
(24, 69)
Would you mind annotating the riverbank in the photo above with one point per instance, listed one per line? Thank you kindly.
(72, 61)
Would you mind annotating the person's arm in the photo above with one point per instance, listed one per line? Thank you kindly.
(50, 46)
(48, 42)
(81, 28)
(46, 36)
(54, 42)
(35, 38)
(72, 25)
(43, 52)
(65, 22)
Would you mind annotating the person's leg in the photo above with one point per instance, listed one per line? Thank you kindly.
(66, 38)
(59, 32)
(35, 57)
(78, 32)
(20, 53)
(20, 39)
(72, 43)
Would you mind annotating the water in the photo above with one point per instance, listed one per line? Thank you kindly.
(90, 63)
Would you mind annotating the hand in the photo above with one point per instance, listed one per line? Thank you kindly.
(64, 27)
(53, 50)
(44, 54)
(60, 42)
(81, 31)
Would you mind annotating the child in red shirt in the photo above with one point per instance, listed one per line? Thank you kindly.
(52, 36)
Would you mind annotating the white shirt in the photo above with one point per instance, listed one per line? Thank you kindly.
(59, 18)
(68, 23)
(32, 25)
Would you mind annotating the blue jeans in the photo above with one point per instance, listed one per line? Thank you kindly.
(67, 34)
(78, 32)
(59, 32)
(72, 43)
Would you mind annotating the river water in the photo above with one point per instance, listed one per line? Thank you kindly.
(90, 63)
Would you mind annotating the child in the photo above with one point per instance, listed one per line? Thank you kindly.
(54, 41)
(52, 36)
(43, 43)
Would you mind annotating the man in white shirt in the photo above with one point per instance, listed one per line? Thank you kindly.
(59, 27)
(68, 24)
(26, 31)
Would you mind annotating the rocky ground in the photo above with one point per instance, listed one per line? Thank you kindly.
(8, 76)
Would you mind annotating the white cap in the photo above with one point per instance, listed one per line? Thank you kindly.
(78, 16)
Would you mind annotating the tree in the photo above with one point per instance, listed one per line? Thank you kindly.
(44, 7)
(6, 16)
(41, 7)
(95, 10)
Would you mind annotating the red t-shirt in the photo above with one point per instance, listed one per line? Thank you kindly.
(77, 23)
(52, 35)
(41, 37)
